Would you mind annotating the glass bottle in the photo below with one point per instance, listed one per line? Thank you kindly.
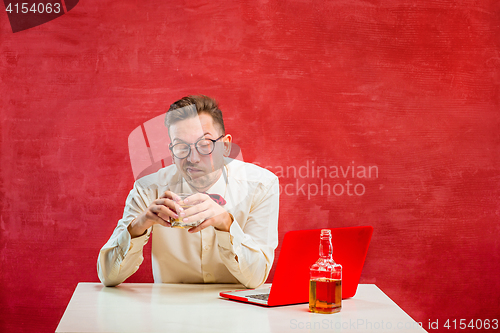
(325, 279)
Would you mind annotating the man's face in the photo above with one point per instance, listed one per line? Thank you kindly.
(200, 171)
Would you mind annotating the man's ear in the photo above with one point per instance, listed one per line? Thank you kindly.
(171, 156)
(227, 144)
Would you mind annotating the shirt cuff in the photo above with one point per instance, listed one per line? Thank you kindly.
(133, 245)
(227, 240)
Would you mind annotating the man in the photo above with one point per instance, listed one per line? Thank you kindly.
(235, 243)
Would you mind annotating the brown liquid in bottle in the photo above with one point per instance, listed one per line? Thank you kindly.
(325, 295)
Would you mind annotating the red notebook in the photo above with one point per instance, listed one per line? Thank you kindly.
(299, 250)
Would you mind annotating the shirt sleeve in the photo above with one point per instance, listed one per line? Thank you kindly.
(122, 255)
(248, 252)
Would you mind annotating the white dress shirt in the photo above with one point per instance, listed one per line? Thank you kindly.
(243, 255)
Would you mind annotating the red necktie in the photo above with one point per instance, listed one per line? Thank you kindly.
(217, 198)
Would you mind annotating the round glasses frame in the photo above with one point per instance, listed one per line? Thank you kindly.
(196, 145)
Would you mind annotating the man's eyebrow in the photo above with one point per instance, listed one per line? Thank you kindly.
(201, 137)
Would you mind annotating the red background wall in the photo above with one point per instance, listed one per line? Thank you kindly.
(411, 87)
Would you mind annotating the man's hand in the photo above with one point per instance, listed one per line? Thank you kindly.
(159, 212)
(208, 210)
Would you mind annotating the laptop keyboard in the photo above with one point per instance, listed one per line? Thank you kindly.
(263, 297)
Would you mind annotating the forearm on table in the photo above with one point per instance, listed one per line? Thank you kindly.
(248, 261)
(120, 258)
(252, 270)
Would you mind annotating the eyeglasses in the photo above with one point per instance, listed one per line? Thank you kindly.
(204, 146)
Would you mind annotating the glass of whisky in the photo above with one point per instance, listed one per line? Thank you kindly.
(178, 222)
(325, 279)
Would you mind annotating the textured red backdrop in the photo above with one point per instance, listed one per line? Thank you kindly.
(408, 88)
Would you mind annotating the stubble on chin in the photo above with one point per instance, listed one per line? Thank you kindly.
(203, 182)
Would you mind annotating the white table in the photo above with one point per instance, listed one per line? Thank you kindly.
(148, 307)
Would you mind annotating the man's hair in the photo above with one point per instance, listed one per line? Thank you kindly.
(191, 106)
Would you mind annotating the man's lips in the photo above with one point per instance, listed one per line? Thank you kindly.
(191, 170)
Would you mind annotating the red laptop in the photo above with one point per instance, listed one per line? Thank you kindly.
(299, 250)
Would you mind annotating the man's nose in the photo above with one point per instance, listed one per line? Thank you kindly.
(194, 156)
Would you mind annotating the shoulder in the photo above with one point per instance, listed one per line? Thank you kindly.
(249, 172)
(160, 178)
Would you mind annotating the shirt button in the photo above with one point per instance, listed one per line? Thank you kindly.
(206, 247)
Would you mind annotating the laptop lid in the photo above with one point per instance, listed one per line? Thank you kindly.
(300, 249)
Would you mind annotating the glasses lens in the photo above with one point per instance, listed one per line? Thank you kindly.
(180, 150)
(205, 147)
